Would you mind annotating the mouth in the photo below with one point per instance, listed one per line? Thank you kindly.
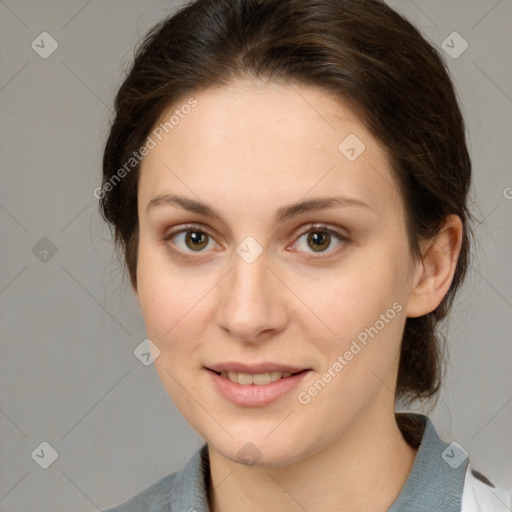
(261, 386)
(258, 379)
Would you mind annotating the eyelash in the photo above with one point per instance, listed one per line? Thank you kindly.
(315, 228)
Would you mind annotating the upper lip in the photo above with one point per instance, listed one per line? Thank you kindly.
(254, 368)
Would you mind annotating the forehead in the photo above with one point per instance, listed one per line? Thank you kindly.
(265, 143)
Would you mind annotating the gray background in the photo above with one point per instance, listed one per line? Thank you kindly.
(70, 324)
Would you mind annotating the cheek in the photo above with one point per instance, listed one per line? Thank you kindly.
(355, 297)
(170, 301)
(173, 300)
(365, 311)
(363, 306)
(162, 295)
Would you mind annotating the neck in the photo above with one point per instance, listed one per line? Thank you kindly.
(364, 469)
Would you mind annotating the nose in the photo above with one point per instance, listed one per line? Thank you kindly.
(251, 301)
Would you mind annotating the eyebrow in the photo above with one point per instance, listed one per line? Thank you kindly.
(282, 214)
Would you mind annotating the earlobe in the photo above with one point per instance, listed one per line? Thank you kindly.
(435, 271)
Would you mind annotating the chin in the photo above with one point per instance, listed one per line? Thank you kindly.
(261, 449)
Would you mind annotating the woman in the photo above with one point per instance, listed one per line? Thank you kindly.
(287, 181)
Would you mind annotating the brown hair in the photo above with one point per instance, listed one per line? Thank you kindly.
(360, 51)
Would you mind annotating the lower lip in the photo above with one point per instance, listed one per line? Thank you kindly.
(252, 395)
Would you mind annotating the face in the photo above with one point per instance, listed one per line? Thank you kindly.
(233, 275)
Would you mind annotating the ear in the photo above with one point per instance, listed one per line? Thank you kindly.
(434, 273)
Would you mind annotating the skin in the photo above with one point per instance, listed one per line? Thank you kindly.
(248, 149)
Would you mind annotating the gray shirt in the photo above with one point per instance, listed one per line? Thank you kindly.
(435, 482)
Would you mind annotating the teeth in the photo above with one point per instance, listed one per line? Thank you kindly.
(260, 379)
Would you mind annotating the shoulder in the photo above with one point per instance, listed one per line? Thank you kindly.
(154, 498)
(481, 495)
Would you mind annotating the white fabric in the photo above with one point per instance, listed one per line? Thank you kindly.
(479, 497)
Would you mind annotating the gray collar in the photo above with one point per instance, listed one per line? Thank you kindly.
(436, 479)
(434, 484)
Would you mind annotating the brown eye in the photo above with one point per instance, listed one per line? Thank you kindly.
(196, 240)
(189, 240)
(319, 240)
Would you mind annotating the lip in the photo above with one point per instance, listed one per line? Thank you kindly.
(252, 395)
(263, 367)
